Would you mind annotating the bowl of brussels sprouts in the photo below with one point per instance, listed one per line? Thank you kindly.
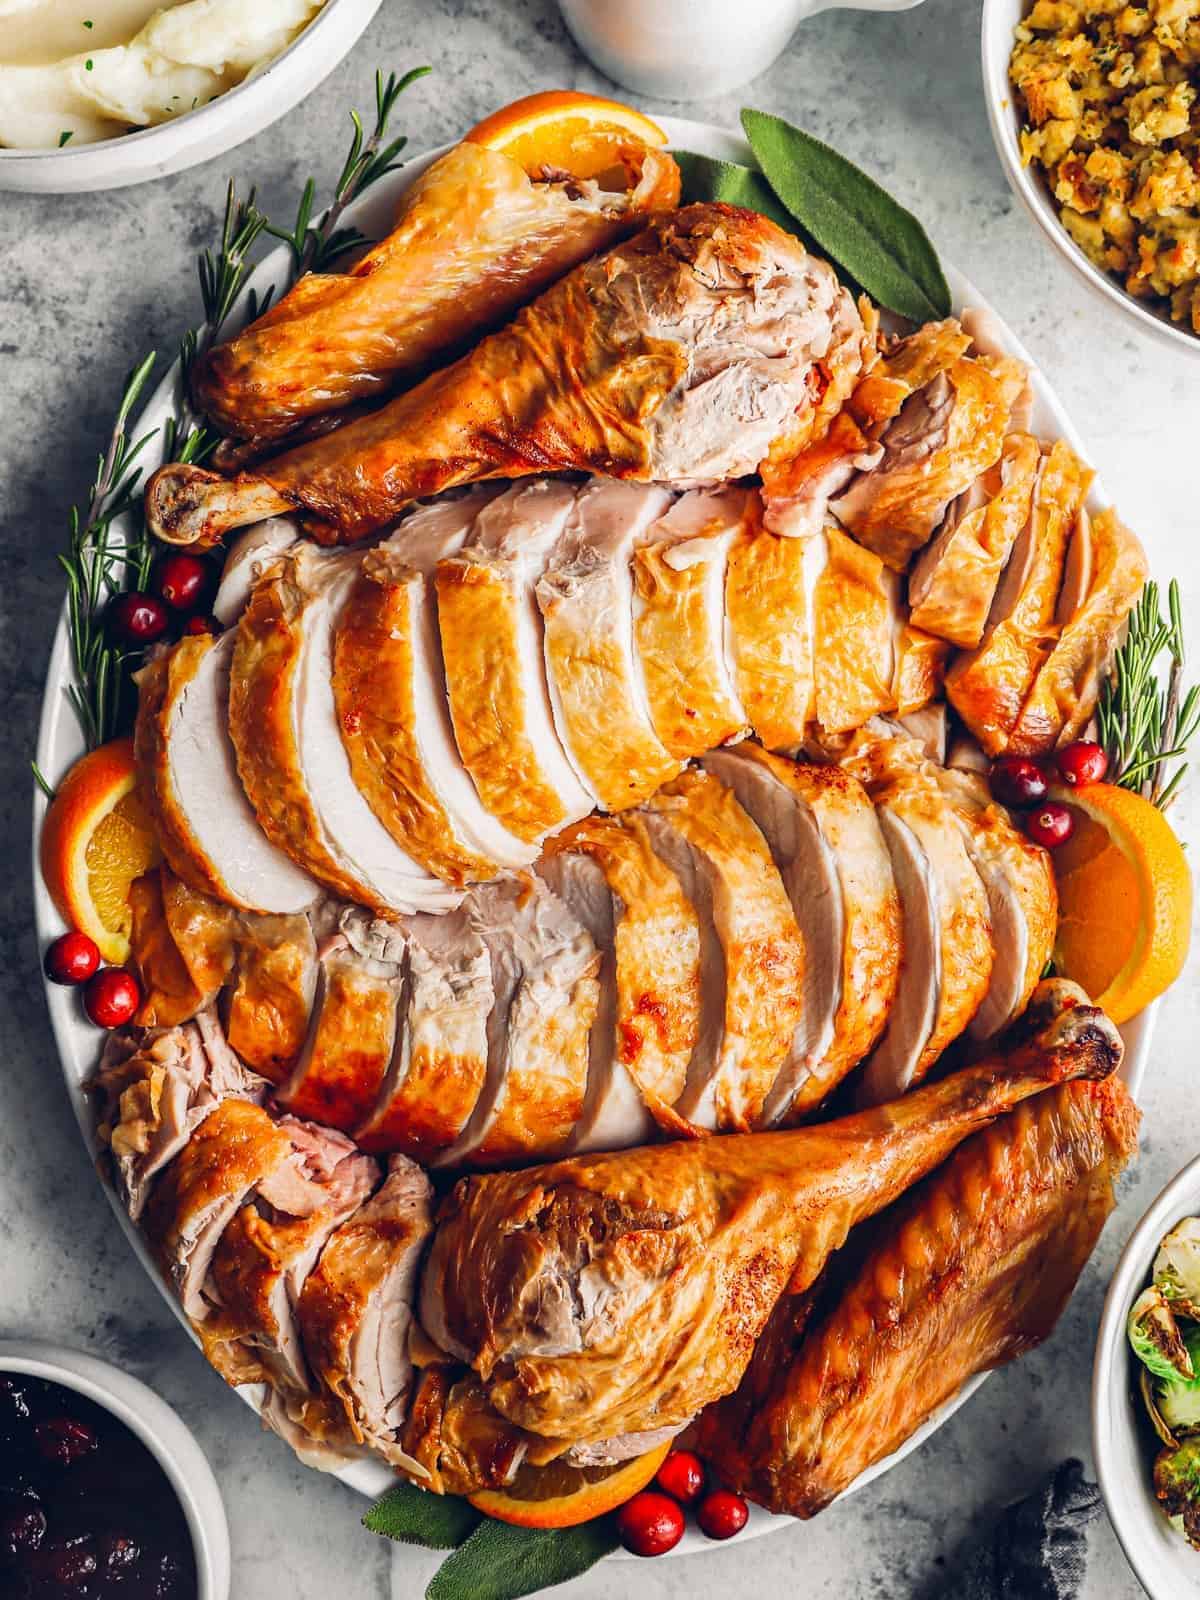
(1146, 1394)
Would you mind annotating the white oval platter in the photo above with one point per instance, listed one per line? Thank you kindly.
(60, 743)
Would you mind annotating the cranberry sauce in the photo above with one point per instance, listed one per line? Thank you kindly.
(86, 1513)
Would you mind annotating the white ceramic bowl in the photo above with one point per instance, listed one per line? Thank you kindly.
(158, 1428)
(201, 134)
(1166, 1565)
(1000, 17)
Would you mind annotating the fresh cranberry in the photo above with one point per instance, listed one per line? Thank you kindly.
(111, 997)
(1017, 782)
(116, 1554)
(137, 619)
(1082, 762)
(650, 1524)
(681, 1476)
(1050, 825)
(181, 580)
(22, 1530)
(202, 624)
(62, 1441)
(71, 959)
(721, 1514)
(67, 1566)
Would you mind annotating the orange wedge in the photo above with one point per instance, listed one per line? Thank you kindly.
(97, 838)
(1124, 899)
(578, 133)
(560, 1496)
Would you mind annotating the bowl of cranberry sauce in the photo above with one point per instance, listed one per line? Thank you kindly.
(104, 1494)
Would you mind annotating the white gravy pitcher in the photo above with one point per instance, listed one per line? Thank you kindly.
(692, 49)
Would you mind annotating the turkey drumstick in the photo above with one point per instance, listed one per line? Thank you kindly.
(611, 1294)
(690, 352)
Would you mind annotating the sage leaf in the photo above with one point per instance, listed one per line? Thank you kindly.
(415, 1516)
(501, 1562)
(707, 179)
(855, 221)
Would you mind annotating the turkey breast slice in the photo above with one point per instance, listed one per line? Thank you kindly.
(390, 690)
(269, 1004)
(586, 600)
(495, 661)
(679, 578)
(752, 972)
(350, 1040)
(150, 1100)
(656, 958)
(1022, 899)
(236, 1147)
(248, 557)
(544, 967)
(614, 1116)
(284, 724)
(188, 773)
(355, 1311)
(854, 609)
(768, 588)
(947, 934)
(826, 841)
(440, 1059)
(251, 1333)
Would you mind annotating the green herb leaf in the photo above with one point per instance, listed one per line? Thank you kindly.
(414, 1516)
(706, 179)
(856, 222)
(500, 1562)
(64, 136)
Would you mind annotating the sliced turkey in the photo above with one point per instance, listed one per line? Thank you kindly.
(919, 666)
(390, 691)
(751, 952)
(440, 1060)
(150, 1100)
(269, 1004)
(987, 686)
(269, 1247)
(544, 968)
(586, 600)
(205, 824)
(854, 608)
(825, 839)
(613, 1116)
(768, 592)
(235, 1148)
(249, 556)
(350, 1039)
(495, 661)
(1018, 878)
(169, 995)
(291, 759)
(954, 579)
(679, 578)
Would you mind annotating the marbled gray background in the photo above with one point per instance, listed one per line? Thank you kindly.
(87, 285)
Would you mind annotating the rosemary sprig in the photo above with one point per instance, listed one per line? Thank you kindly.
(98, 566)
(1144, 723)
(315, 246)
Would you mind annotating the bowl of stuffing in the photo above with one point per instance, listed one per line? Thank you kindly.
(1094, 111)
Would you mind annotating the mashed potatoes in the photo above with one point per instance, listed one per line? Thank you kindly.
(1109, 92)
(80, 70)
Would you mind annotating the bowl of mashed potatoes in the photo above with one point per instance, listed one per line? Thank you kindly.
(96, 94)
(1095, 110)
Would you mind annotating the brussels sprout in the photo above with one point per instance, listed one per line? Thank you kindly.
(1177, 1485)
(1177, 1267)
(1179, 1398)
(1155, 1337)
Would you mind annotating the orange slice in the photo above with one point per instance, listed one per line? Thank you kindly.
(97, 838)
(1124, 898)
(560, 1496)
(578, 133)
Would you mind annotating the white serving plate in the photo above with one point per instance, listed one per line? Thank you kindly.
(1000, 17)
(208, 131)
(59, 744)
(1166, 1565)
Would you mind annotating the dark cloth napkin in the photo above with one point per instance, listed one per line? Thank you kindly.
(1037, 1550)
